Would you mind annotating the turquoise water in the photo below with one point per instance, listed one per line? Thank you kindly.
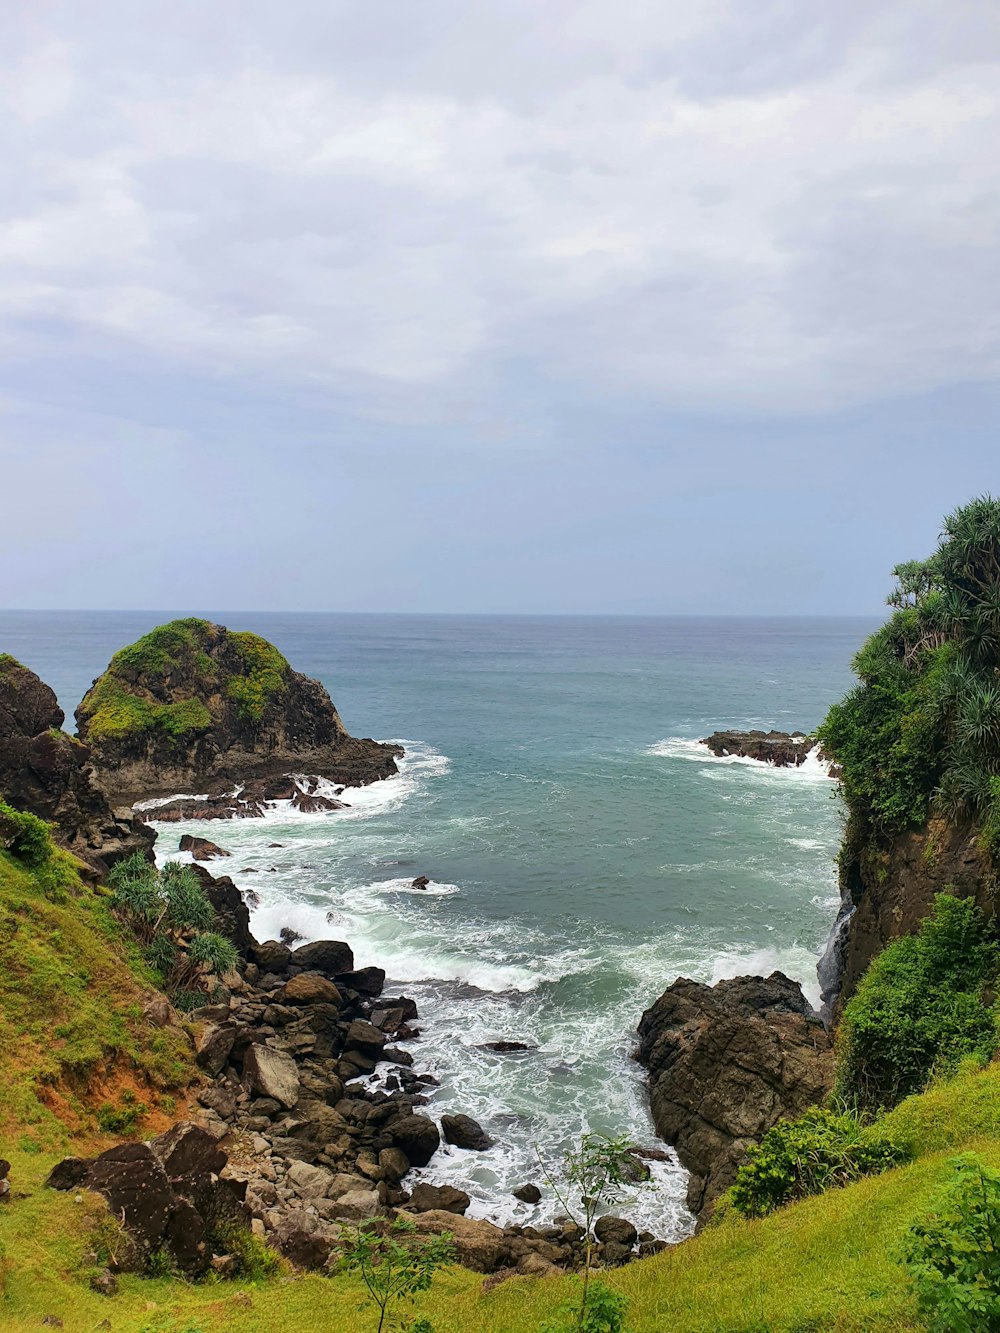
(583, 851)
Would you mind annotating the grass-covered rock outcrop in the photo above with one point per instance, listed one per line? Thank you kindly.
(195, 704)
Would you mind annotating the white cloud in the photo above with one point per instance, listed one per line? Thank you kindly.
(724, 206)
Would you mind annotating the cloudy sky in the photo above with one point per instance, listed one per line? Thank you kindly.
(505, 305)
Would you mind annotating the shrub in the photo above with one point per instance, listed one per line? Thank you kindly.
(821, 1150)
(604, 1312)
(255, 1260)
(919, 1009)
(30, 839)
(394, 1265)
(187, 904)
(123, 1118)
(953, 1256)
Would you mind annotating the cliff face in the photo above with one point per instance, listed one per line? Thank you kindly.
(887, 890)
(49, 773)
(193, 706)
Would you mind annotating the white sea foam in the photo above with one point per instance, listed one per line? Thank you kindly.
(812, 768)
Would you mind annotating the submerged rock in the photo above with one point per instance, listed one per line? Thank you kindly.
(200, 848)
(192, 706)
(725, 1063)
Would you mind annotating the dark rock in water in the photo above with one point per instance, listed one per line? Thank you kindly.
(464, 1132)
(200, 848)
(783, 749)
(368, 981)
(425, 1198)
(240, 711)
(528, 1193)
(417, 1136)
(289, 936)
(310, 805)
(508, 1047)
(725, 1063)
(46, 772)
(216, 807)
(275, 844)
(330, 957)
(421, 882)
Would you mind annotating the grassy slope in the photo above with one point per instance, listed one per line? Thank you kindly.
(72, 1034)
(825, 1264)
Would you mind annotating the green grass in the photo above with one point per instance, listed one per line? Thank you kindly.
(8, 663)
(263, 675)
(827, 1263)
(113, 711)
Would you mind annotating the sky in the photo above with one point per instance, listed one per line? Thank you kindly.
(635, 306)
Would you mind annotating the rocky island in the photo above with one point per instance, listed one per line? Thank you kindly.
(195, 707)
(782, 749)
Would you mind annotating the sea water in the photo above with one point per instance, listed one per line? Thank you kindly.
(583, 849)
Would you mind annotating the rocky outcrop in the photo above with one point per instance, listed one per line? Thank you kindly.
(47, 772)
(782, 749)
(725, 1063)
(887, 889)
(169, 1194)
(194, 706)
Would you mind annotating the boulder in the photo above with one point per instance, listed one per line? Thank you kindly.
(329, 957)
(134, 1182)
(365, 1037)
(528, 1193)
(368, 981)
(271, 1073)
(464, 1132)
(417, 1136)
(393, 1163)
(188, 1150)
(271, 956)
(615, 1230)
(421, 882)
(426, 1198)
(309, 988)
(310, 1182)
(201, 849)
(479, 1245)
(355, 1206)
(725, 1063)
(213, 1046)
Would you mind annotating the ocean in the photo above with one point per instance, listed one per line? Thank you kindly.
(583, 850)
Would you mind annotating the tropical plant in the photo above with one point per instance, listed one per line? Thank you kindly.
(394, 1265)
(594, 1177)
(169, 913)
(953, 1256)
(821, 1150)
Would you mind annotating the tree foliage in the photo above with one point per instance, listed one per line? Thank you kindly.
(919, 1009)
(923, 726)
(394, 1265)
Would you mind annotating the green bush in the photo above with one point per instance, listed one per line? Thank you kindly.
(821, 1150)
(923, 726)
(919, 1009)
(953, 1256)
(31, 842)
(123, 1118)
